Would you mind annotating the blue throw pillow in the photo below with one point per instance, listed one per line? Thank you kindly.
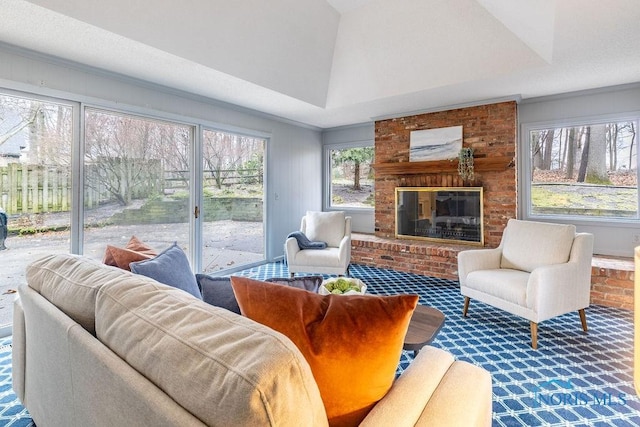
(170, 267)
(218, 291)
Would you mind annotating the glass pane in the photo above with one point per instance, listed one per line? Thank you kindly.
(585, 171)
(233, 170)
(136, 181)
(352, 179)
(440, 213)
(35, 188)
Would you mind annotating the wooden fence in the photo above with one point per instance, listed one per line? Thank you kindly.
(34, 188)
(215, 178)
(29, 189)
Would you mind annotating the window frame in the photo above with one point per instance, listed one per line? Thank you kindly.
(525, 169)
(326, 182)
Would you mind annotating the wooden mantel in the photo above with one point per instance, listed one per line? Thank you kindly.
(482, 164)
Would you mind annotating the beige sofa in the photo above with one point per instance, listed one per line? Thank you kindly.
(97, 346)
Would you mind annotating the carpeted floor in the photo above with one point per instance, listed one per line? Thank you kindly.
(12, 413)
(572, 379)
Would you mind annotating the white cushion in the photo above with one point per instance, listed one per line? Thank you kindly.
(329, 257)
(325, 227)
(506, 284)
(527, 245)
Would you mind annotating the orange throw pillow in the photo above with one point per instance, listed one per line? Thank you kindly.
(135, 250)
(352, 342)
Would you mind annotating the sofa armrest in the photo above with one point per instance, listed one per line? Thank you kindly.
(477, 259)
(463, 398)
(428, 388)
(18, 352)
(411, 392)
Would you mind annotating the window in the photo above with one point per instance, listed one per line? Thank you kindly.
(584, 171)
(351, 182)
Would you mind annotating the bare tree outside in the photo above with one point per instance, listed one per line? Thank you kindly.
(596, 164)
(38, 132)
(224, 153)
(585, 170)
(16, 114)
(126, 157)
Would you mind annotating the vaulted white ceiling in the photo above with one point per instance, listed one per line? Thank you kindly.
(335, 62)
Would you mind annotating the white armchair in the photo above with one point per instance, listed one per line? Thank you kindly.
(539, 271)
(333, 228)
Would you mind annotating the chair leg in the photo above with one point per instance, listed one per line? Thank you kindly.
(583, 319)
(466, 306)
(534, 335)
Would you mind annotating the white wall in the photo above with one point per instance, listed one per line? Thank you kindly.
(611, 237)
(362, 220)
(294, 154)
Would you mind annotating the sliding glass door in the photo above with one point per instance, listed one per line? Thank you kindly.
(233, 197)
(136, 181)
(75, 178)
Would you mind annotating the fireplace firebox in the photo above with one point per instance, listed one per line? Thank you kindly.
(451, 214)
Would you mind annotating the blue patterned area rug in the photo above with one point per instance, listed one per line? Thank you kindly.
(572, 379)
(12, 413)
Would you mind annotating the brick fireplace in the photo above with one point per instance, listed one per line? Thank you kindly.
(491, 131)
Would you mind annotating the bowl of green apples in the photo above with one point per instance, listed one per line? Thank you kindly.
(342, 286)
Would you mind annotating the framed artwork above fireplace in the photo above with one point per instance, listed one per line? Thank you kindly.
(435, 144)
(444, 214)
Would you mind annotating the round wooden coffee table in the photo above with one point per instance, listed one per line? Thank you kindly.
(425, 324)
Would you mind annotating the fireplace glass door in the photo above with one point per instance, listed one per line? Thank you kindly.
(440, 213)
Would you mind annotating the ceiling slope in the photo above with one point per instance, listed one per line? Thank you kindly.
(328, 63)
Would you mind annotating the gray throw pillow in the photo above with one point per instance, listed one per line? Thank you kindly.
(170, 267)
(308, 283)
(218, 291)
